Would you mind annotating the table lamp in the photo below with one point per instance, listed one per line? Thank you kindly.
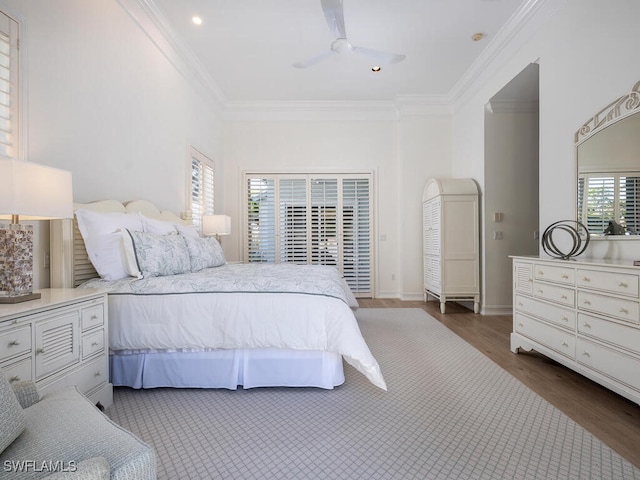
(216, 225)
(29, 191)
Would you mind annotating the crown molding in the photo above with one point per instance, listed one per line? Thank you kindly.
(511, 37)
(148, 16)
(424, 105)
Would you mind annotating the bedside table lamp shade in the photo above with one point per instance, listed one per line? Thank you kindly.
(29, 191)
(216, 225)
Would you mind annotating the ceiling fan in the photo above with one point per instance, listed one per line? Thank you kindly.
(334, 14)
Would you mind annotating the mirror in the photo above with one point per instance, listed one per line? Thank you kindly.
(608, 159)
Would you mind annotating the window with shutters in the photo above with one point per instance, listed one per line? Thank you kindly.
(202, 185)
(603, 197)
(9, 88)
(312, 219)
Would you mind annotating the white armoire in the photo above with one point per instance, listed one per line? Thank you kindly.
(451, 249)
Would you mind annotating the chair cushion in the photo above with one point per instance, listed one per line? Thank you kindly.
(64, 428)
(12, 418)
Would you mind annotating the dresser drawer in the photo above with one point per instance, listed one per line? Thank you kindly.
(620, 308)
(552, 337)
(558, 274)
(614, 282)
(18, 372)
(92, 343)
(555, 293)
(622, 336)
(15, 342)
(92, 374)
(92, 317)
(556, 314)
(620, 367)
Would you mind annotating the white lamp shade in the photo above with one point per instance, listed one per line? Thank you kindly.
(216, 224)
(34, 191)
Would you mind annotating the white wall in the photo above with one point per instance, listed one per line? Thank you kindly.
(586, 53)
(102, 101)
(357, 142)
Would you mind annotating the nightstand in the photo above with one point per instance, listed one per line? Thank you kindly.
(58, 340)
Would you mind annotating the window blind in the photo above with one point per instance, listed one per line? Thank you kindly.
(9, 87)
(324, 220)
(202, 187)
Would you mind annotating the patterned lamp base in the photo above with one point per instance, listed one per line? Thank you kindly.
(16, 263)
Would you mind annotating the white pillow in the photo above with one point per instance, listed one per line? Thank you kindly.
(187, 230)
(103, 239)
(159, 227)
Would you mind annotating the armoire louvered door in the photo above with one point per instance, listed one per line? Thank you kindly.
(312, 219)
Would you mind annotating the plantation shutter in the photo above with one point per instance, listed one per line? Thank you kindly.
(356, 234)
(324, 222)
(630, 202)
(311, 219)
(9, 111)
(293, 219)
(261, 220)
(600, 202)
(202, 187)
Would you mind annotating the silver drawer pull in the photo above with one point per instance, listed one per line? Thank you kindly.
(520, 325)
(94, 317)
(586, 279)
(14, 379)
(566, 319)
(540, 272)
(540, 291)
(564, 275)
(95, 344)
(98, 373)
(564, 297)
(565, 344)
(623, 285)
(14, 343)
(40, 350)
(587, 302)
(586, 354)
(586, 325)
(530, 280)
(624, 310)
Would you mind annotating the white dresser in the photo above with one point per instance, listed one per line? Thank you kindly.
(59, 340)
(451, 249)
(585, 314)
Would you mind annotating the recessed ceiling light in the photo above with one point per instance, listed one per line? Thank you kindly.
(476, 37)
(197, 20)
(375, 69)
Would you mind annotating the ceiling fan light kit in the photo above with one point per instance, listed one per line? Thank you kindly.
(334, 14)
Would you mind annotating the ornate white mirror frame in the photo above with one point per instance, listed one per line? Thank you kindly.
(608, 171)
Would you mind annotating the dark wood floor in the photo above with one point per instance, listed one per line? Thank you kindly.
(610, 417)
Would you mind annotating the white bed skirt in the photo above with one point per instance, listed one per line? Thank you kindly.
(256, 367)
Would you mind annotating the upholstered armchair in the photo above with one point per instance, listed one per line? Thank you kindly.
(63, 436)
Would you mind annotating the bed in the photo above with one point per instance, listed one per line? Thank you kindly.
(222, 326)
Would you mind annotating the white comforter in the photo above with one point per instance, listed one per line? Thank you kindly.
(300, 307)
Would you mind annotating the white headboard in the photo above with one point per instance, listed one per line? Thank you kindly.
(70, 265)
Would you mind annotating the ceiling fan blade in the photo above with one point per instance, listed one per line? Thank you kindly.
(313, 60)
(334, 13)
(378, 56)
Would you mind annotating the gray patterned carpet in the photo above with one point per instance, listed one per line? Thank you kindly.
(450, 412)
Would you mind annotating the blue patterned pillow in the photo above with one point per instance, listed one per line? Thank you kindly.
(204, 252)
(160, 255)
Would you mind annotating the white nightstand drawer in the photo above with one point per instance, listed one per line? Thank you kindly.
(552, 337)
(626, 310)
(92, 343)
(15, 342)
(92, 375)
(554, 274)
(623, 336)
(561, 316)
(615, 282)
(18, 372)
(617, 365)
(555, 293)
(92, 317)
